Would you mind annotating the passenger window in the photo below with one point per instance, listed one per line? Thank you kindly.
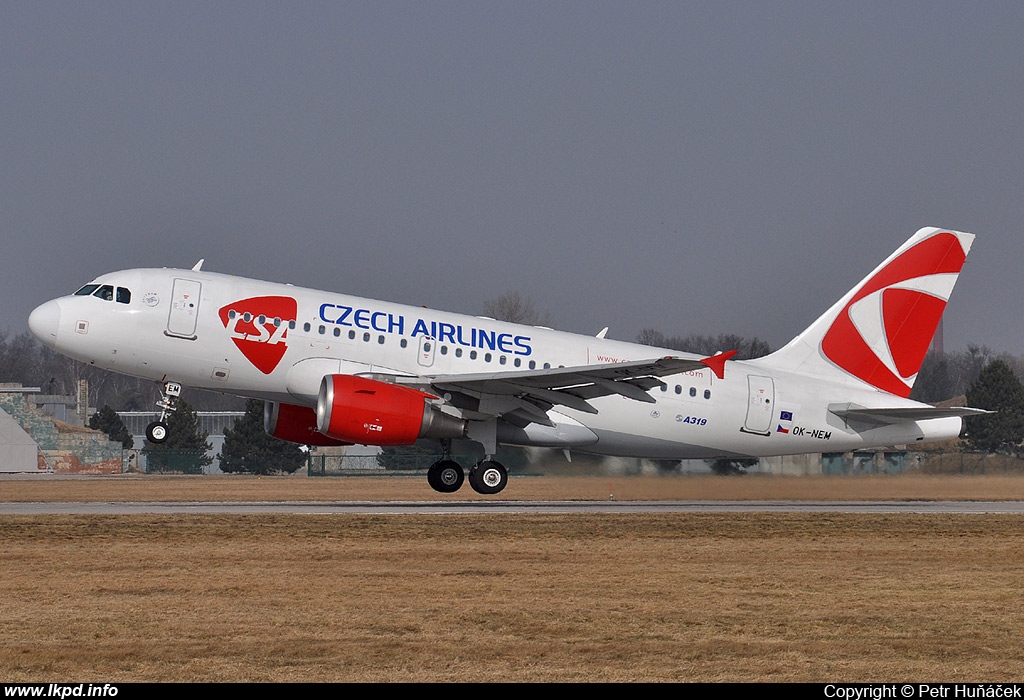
(707, 393)
(693, 391)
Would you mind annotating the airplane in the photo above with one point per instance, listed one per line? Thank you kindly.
(336, 369)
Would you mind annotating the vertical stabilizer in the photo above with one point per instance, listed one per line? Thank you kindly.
(879, 333)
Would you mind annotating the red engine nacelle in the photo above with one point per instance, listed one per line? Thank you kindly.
(369, 412)
(295, 424)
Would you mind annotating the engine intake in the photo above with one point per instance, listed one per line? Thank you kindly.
(369, 412)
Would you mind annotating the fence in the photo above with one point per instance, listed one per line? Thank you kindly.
(175, 461)
(212, 423)
(966, 462)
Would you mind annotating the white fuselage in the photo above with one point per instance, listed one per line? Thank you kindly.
(277, 341)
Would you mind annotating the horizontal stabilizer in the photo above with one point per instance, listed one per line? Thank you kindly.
(891, 416)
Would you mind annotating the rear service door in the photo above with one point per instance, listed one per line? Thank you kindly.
(760, 406)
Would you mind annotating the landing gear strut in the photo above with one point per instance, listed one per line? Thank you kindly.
(156, 432)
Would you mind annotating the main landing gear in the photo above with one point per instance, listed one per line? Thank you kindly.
(447, 476)
(156, 432)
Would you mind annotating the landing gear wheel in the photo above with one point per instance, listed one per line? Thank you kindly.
(446, 476)
(488, 477)
(156, 432)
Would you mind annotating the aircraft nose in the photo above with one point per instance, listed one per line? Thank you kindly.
(44, 322)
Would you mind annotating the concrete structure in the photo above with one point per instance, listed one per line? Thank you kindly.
(55, 446)
(18, 451)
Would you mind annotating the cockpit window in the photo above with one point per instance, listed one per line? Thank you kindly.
(106, 292)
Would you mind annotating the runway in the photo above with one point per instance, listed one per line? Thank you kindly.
(505, 507)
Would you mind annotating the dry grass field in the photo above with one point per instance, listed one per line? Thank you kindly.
(138, 487)
(502, 597)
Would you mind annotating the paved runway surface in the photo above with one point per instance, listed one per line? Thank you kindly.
(440, 508)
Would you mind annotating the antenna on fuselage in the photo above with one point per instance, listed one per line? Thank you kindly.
(199, 265)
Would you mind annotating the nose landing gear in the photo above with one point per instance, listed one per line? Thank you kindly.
(156, 432)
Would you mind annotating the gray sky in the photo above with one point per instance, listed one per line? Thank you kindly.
(693, 167)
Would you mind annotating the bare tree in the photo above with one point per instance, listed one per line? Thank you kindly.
(516, 308)
(706, 344)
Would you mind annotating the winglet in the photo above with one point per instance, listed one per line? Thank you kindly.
(717, 362)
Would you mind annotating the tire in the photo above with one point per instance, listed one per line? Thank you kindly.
(156, 432)
(445, 476)
(488, 477)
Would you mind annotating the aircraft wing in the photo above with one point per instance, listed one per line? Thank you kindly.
(891, 416)
(525, 397)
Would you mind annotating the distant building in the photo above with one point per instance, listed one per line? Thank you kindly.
(33, 440)
(211, 422)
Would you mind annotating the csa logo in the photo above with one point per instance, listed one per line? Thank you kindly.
(259, 328)
(883, 333)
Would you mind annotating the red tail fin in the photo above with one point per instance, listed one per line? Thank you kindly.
(880, 331)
